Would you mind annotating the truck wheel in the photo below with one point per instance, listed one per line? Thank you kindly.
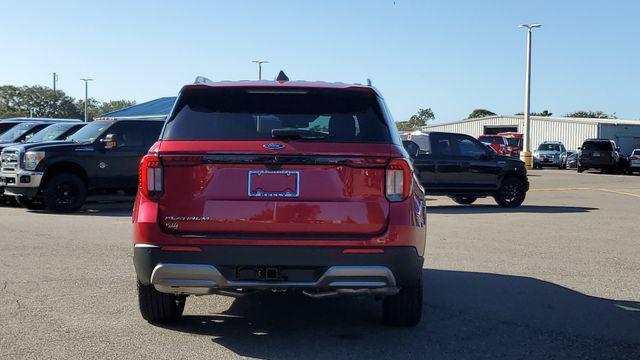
(157, 307)
(404, 308)
(464, 200)
(65, 193)
(511, 193)
(29, 203)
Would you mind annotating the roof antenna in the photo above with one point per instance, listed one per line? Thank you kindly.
(282, 77)
(368, 82)
(202, 80)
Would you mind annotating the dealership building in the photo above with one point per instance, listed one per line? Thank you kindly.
(570, 131)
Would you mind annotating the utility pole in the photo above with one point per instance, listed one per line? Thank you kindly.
(260, 62)
(526, 154)
(55, 80)
(86, 96)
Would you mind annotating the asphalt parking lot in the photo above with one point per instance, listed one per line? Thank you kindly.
(558, 277)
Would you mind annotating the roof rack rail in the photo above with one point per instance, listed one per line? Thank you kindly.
(202, 80)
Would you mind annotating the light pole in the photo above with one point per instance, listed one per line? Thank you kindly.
(86, 96)
(260, 62)
(526, 154)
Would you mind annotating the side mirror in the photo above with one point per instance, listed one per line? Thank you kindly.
(26, 138)
(109, 142)
(617, 149)
(411, 147)
(580, 148)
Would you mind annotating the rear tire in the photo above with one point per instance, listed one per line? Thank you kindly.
(65, 193)
(580, 169)
(404, 308)
(511, 193)
(157, 307)
(29, 203)
(464, 200)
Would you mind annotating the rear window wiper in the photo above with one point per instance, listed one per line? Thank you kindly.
(302, 134)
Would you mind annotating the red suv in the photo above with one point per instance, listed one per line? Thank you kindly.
(279, 186)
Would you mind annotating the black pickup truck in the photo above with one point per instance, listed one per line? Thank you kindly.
(461, 167)
(102, 157)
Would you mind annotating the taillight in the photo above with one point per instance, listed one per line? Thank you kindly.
(635, 158)
(150, 177)
(398, 180)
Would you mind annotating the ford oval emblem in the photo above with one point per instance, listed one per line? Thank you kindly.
(273, 146)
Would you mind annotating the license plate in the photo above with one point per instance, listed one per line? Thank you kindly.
(596, 154)
(273, 183)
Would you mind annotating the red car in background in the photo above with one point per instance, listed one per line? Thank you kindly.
(507, 143)
(497, 142)
(514, 143)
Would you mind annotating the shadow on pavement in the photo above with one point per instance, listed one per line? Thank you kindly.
(466, 315)
(116, 208)
(490, 209)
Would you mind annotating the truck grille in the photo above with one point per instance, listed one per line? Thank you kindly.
(9, 160)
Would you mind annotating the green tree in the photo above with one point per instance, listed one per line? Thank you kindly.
(416, 121)
(478, 113)
(592, 114)
(113, 105)
(38, 101)
(545, 113)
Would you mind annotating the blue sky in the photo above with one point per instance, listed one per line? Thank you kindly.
(452, 56)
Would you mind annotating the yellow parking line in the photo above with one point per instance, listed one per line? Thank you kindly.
(561, 189)
(620, 192)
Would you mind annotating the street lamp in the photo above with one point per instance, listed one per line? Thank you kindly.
(260, 62)
(526, 154)
(86, 96)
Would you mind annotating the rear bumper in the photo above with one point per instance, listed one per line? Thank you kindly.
(320, 268)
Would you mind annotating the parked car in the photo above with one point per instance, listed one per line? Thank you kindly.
(548, 153)
(461, 167)
(514, 143)
(101, 157)
(572, 161)
(279, 185)
(8, 123)
(52, 132)
(564, 157)
(601, 154)
(634, 161)
(498, 143)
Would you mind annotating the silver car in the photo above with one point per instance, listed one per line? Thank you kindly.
(549, 153)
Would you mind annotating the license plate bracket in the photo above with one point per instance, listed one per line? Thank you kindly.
(273, 183)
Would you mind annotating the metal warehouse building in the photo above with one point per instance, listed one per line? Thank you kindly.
(571, 131)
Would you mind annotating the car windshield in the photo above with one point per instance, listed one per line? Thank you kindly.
(4, 126)
(49, 133)
(597, 145)
(259, 114)
(90, 132)
(513, 142)
(16, 131)
(492, 139)
(549, 147)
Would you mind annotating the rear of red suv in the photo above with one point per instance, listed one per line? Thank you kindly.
(294, 186)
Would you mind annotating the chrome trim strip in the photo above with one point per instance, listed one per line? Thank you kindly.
(145, 246)
(203, 279)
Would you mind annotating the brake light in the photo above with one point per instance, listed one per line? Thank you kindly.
(398, 180)
(150, 177)
(635, 157)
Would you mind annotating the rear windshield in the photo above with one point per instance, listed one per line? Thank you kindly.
(252, 114)
(492, 139)
(597, 145)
